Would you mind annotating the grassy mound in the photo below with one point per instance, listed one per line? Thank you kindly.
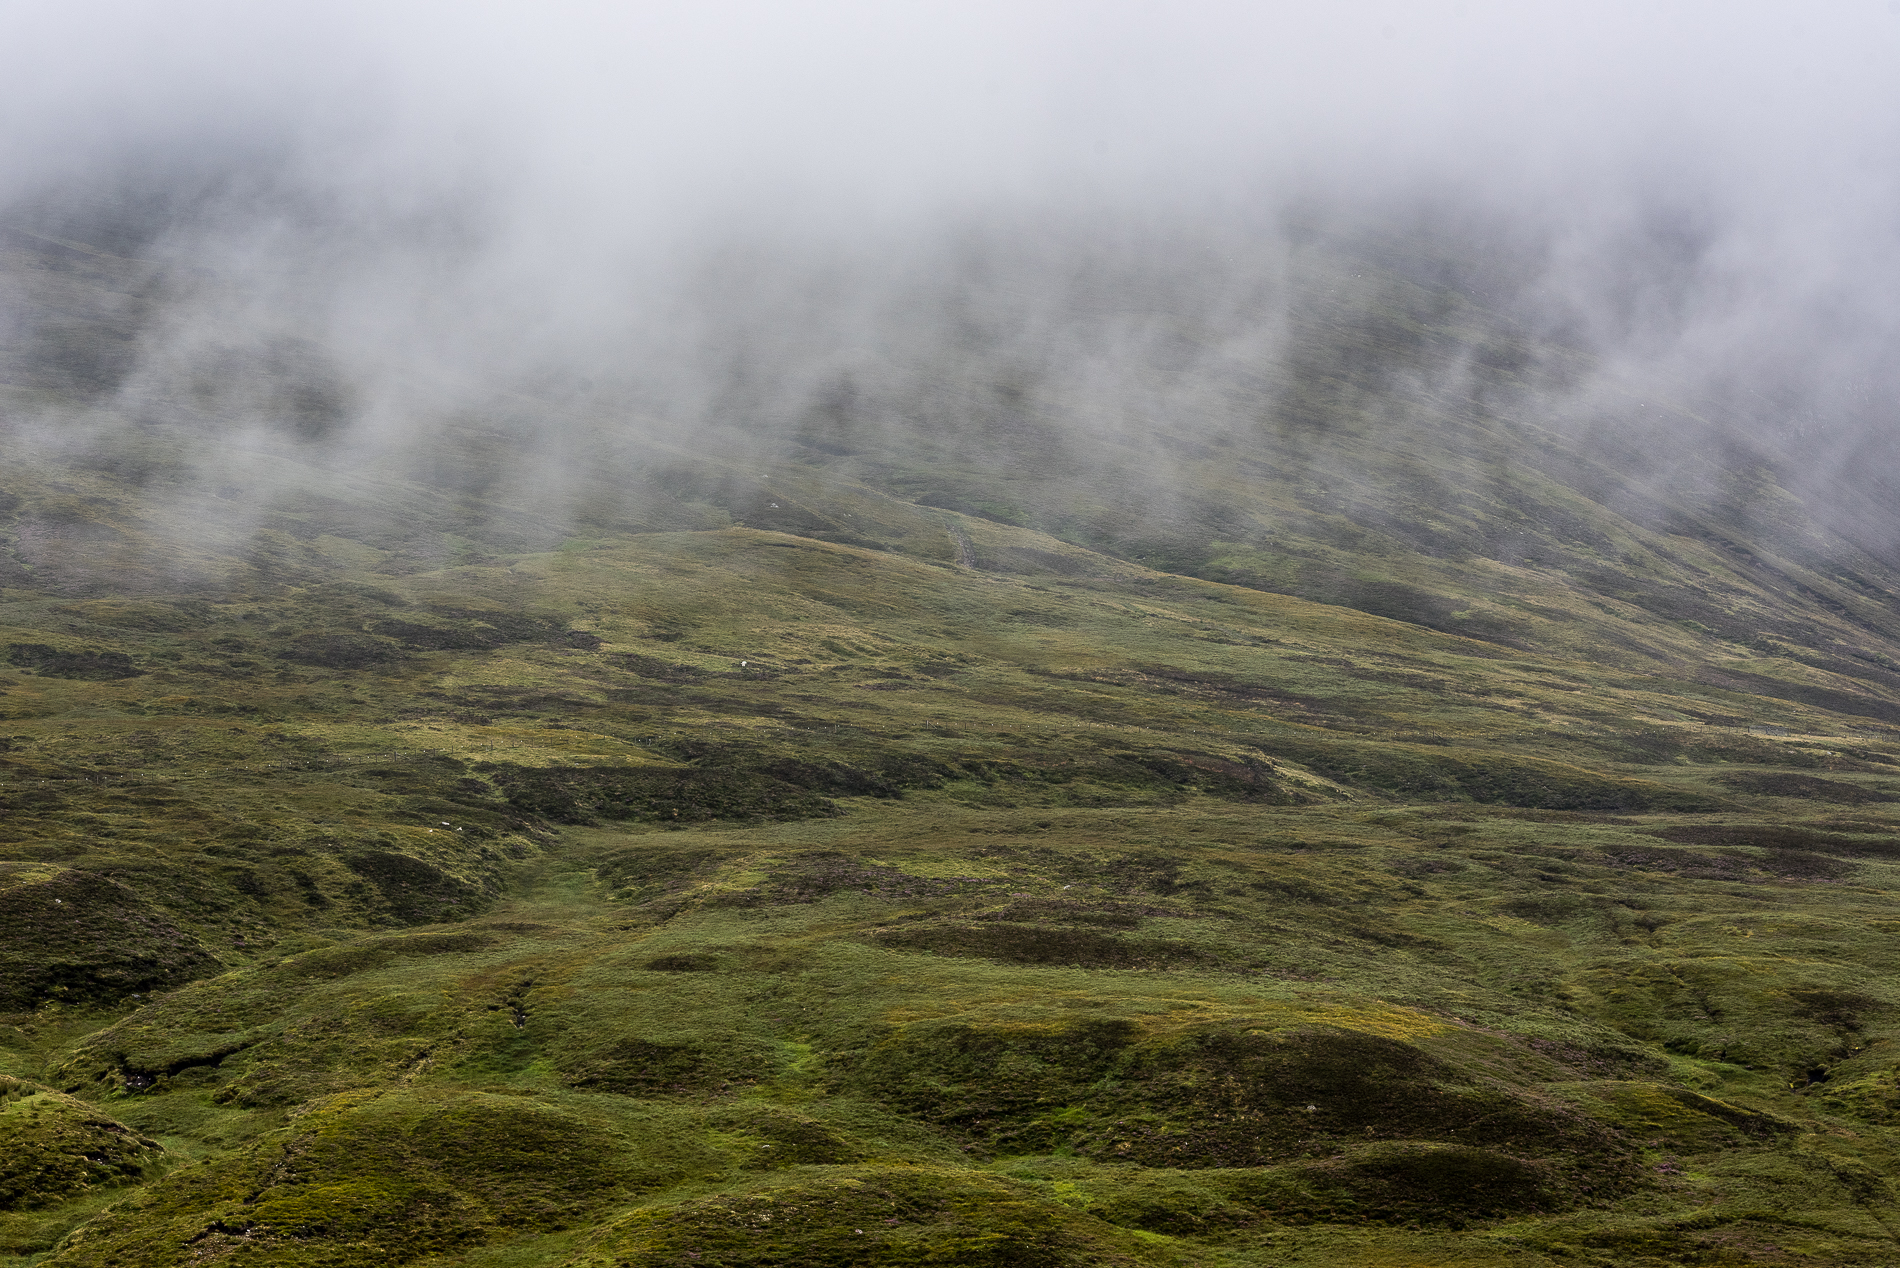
(54, 1148)
(870, 1217)
(1222, 1097)
(77, 937)
(369, 1178)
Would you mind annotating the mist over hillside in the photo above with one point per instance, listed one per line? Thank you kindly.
(1082, 239)
(999, 635)
(1383, 405)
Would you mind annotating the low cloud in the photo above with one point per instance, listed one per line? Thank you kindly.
(1061, 228)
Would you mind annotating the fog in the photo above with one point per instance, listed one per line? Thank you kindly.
(352, 225)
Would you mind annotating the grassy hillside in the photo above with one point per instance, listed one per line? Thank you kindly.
(883, 850)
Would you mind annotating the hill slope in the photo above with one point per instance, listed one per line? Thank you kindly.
(1393, 837)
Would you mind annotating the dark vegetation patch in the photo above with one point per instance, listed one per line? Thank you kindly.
(1598, 1060)
(1423, 866)
(1001, 1085)
(1686, 863)
(1150, 872)
(1782, 837)
(32, 801)
(1406, 1183)
(577, 794)
(654, 667)
(1759, 1238)
(340, 651)
(688, 962)
(415, 892)
(1049, 945)
(888, 777)
(1809, 787)
(471, 636)
(916, 1215)
(1805, 866)
(633, 1066)
(722, 782)
(80, 938)
(1106, 914)
(1787, 863)
(1839, 1009)
(1131, 777)
(645, 873)
(1412, 1183)
(1396, 600)
(423, 775)
(1091, 778)
(1680, 862)
(1548, 909)
(1870, 827)
(820, 874)
(1241, 1098)
(54, 663)
(1759, 836)
(1218, 1096)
